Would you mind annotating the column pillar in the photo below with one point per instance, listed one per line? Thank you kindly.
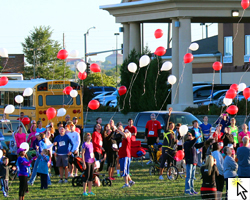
(125, 40)
(135, 37)
(186, 85)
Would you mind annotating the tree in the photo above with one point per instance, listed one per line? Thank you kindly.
(140, 102)
(99, 79)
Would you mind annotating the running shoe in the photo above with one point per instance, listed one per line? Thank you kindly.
(188, 193)
(91, 193)
(125, 186)
(131, 183)
(150, 161)
(161, 177)
(29, 183)
(65, 181)
(60, 181)
(85, 194)
(194, 192)
(112, 178)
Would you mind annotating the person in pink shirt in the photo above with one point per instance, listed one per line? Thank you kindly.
(32, 134)
(243, 133)
(20, 137)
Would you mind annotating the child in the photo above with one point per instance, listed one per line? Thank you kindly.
(159, 153)
(88, 159)
(23, 164)
(4, 176)
(43, 168)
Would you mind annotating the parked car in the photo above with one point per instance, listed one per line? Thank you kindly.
(204, 91)
(176, 117)
(105, 100)
(201, 83)
(113, 103)
(212, 99)
(101, 89)
(7, 127)
(102, 95)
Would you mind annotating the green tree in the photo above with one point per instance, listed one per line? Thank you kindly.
(99, 79)
(140, 101)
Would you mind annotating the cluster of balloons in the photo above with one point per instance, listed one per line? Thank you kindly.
(160, 51)
(143, 62)
(70, 91)
(188, 57)
(4, 53)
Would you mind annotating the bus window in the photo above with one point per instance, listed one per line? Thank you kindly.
(78, 100)
(28, 101)
(56, 100)
(40, 100)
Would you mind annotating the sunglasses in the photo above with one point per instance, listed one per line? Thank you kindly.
(189, 135)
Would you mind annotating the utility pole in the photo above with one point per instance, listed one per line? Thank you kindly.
(34, 59)
(85, 43)
(116, 52)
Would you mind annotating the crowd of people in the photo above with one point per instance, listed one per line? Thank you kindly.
(220, 154)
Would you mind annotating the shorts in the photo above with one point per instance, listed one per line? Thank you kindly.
(111, 158)
(151, 140)
(208, 194)
(124, 166)
(219, 182)
(167, 155)
(62, 160)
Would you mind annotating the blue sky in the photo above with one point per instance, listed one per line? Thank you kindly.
(73, 18)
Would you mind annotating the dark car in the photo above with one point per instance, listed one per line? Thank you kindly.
(162, 116)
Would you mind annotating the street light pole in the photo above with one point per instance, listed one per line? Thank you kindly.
(34, 59)
(116, 52)
(85, 43)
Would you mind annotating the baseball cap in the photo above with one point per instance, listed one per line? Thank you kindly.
(37, 134)
(20, 150)
(74, 118)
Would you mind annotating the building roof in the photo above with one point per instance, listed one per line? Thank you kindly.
(206, 46)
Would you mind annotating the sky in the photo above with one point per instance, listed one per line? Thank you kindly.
(74, 18)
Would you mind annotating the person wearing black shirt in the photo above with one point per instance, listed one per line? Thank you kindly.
(227, 137)
(209, 171)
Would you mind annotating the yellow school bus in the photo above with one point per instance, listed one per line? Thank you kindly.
(46, 94)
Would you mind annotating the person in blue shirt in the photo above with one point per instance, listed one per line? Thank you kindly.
(39, 128)
(62, 143)
(206, 128)
(224, 120)
(200, 139)
(43, 169)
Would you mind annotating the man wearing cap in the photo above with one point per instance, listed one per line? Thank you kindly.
(152, 132)
(67, 119)
(62, 142)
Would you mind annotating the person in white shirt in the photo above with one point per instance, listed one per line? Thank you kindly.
(76, 140)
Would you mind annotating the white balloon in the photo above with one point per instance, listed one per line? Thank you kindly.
(172, 79)
(4, 53)
(81, 66)
(194, 46)
(227, 101)
(183, 130)
(73, 93)
(242, 86)
(144, 61)
(19, 99)
(166, 66)
(61, 112)
(1, 153)
(27, 92)
(132, 67)
(26, 146)
(9, 109)
(74, 53)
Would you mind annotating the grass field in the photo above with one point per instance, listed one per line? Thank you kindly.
(146, 187)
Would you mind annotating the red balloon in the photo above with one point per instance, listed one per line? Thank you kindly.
(160, 51)
(234, 86)
(62, 54)
(188, 58)
(95, 67)
(67, 90)
(3, 80)
(93, 104)
(51, 113)
(25, 121)
(158, 33)
(78, 130)
(231, 94)
(244, 4)
(246, 93)
(232, 110)
(217, 66)
(179, 155)
(82, 76)
(122, 90)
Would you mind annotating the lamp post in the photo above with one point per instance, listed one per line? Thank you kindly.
(34, 59)
(85, 43)
(116, 53)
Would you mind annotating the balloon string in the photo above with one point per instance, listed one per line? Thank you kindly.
(132, 87)
(19, 114)
(165, 100)
(158, 73)
(144, 89)
(211, 91)
(53, 78)
(117, 108)
(244, 74)
(127, 92)
(5, 64)
(64, 79)
(237, 30)
(85, 120)
(102, 85)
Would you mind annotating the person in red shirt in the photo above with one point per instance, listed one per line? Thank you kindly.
(132, 129)
(97, 141)
(125, 156)
(152, 132)
(20, 118)
(218, 134)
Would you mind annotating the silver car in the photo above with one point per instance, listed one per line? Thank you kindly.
(105, 100)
